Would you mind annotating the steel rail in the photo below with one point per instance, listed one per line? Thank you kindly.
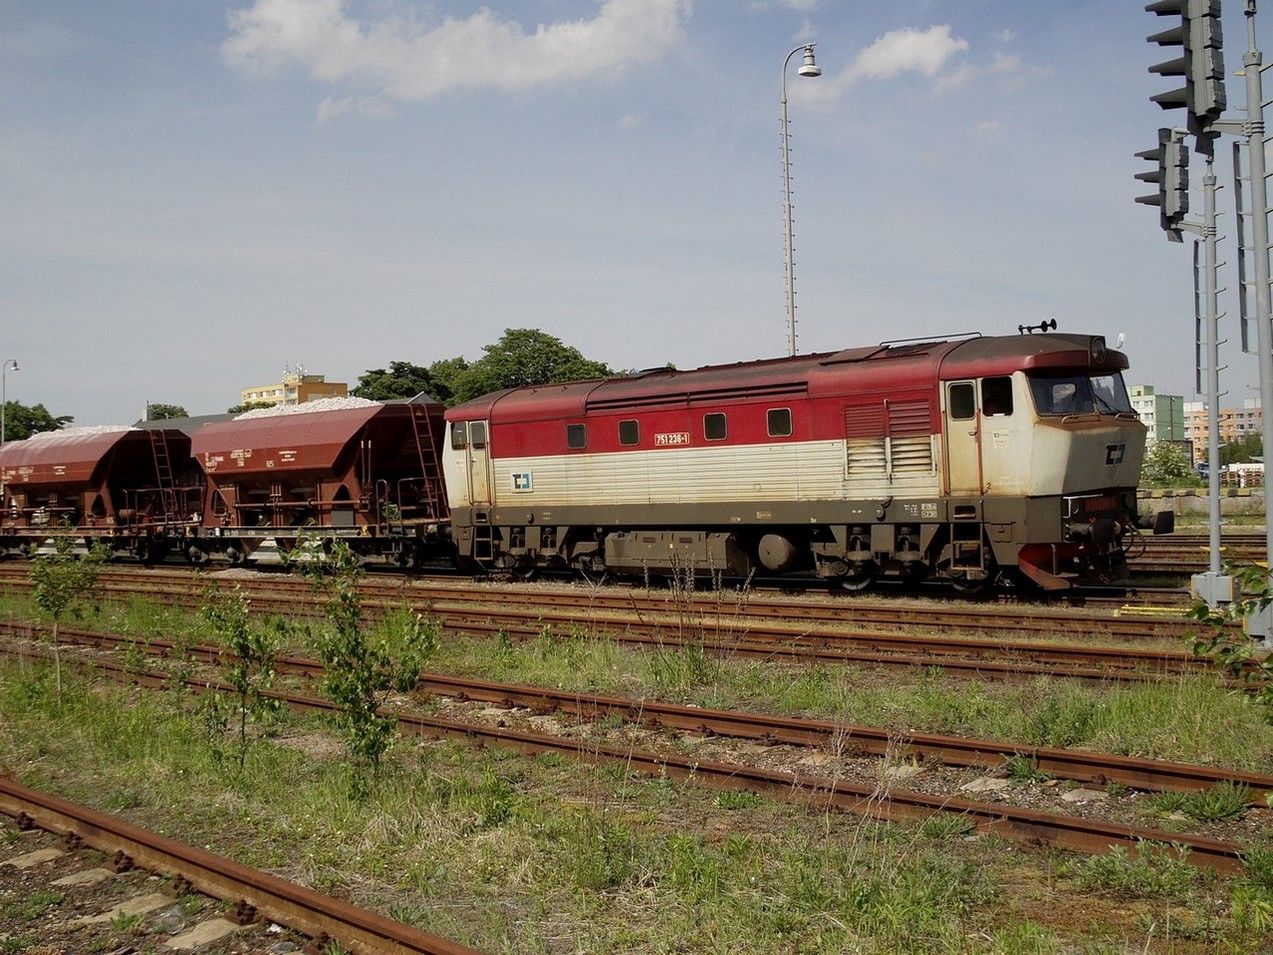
(980, 655)
(1026, 825)
(1085, 767)
(281, 901)
(803, 654)
(859, 610)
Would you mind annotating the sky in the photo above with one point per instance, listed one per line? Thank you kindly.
(196, 195)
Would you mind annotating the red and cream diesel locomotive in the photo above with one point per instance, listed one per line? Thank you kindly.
(959, 459)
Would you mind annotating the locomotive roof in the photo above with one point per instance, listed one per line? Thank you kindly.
(895, 366)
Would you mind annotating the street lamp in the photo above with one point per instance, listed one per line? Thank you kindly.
(10, 364)
(807, 68)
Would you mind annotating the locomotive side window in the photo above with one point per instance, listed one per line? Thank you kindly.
(996, 396)
(779, 422)
(963, 401)
(629, 432)
(477, 434)
(576, 436)
(459, 435)
(714, 427)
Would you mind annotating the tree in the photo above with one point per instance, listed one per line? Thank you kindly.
(1243, 450)
(249, 406)
(445, 372)
(1167, 465)
(21, 421)
(248, 660)
(360, 670)
(157, 411)
(524, 356)
(60, 582)
(401, 380)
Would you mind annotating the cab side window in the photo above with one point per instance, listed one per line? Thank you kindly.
(996, 396)
(962, 403)
(477, 434)
(459, 435)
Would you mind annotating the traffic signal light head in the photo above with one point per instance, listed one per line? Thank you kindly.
(1201, 64)
(1172, 177)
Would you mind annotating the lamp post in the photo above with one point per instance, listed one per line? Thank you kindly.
(807, 68)
(10, 364)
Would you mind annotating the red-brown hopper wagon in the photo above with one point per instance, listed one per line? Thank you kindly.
(127, 488)
(360, 470)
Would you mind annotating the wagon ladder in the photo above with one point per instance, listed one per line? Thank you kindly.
(163, 472)
(422, 429)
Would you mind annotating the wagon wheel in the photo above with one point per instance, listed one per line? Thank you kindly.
(967, 585)
(855, 581)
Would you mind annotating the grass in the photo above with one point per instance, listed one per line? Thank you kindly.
(30, 907)
(1225, 801)
(1191, 719)
(500, 851)
(1152, 870)
(509, 853)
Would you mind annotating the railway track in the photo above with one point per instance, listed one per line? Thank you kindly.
(742, 637)
(1189, 553)
(1083, 767)
(253, 892)
(1022, 824)
(980, 615)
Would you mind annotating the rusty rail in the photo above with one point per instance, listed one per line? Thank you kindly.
(284, 902)
(1027, 825)
(1003, 658)
(1085, 767)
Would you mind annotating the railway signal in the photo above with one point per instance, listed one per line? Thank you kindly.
(1172, 177)
(1201, 65)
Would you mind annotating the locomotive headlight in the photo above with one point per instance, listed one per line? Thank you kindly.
(1097, 349)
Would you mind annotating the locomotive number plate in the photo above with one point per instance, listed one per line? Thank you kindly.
(671, 439)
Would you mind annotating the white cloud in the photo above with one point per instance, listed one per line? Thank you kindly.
(1006, 35)
(901, 51)
(401, 59)
(368, 106)
(806, 33)
(989, 126)
(801, 4)
(629, 121)
(1001, 64)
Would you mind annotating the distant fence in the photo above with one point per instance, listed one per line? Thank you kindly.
(1200, 492)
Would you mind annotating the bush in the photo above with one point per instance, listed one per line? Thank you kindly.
(1167, 465)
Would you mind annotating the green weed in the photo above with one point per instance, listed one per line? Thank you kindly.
(737, 799)
(1151, 870)
(1025, 769)
(31, 907)
(1224, 801)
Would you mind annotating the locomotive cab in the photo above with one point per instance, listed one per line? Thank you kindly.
(1053, 449)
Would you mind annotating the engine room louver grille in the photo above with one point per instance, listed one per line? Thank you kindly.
(798, 389)
(888, 440)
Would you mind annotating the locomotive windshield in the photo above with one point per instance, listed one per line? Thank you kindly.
(1079, 394)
